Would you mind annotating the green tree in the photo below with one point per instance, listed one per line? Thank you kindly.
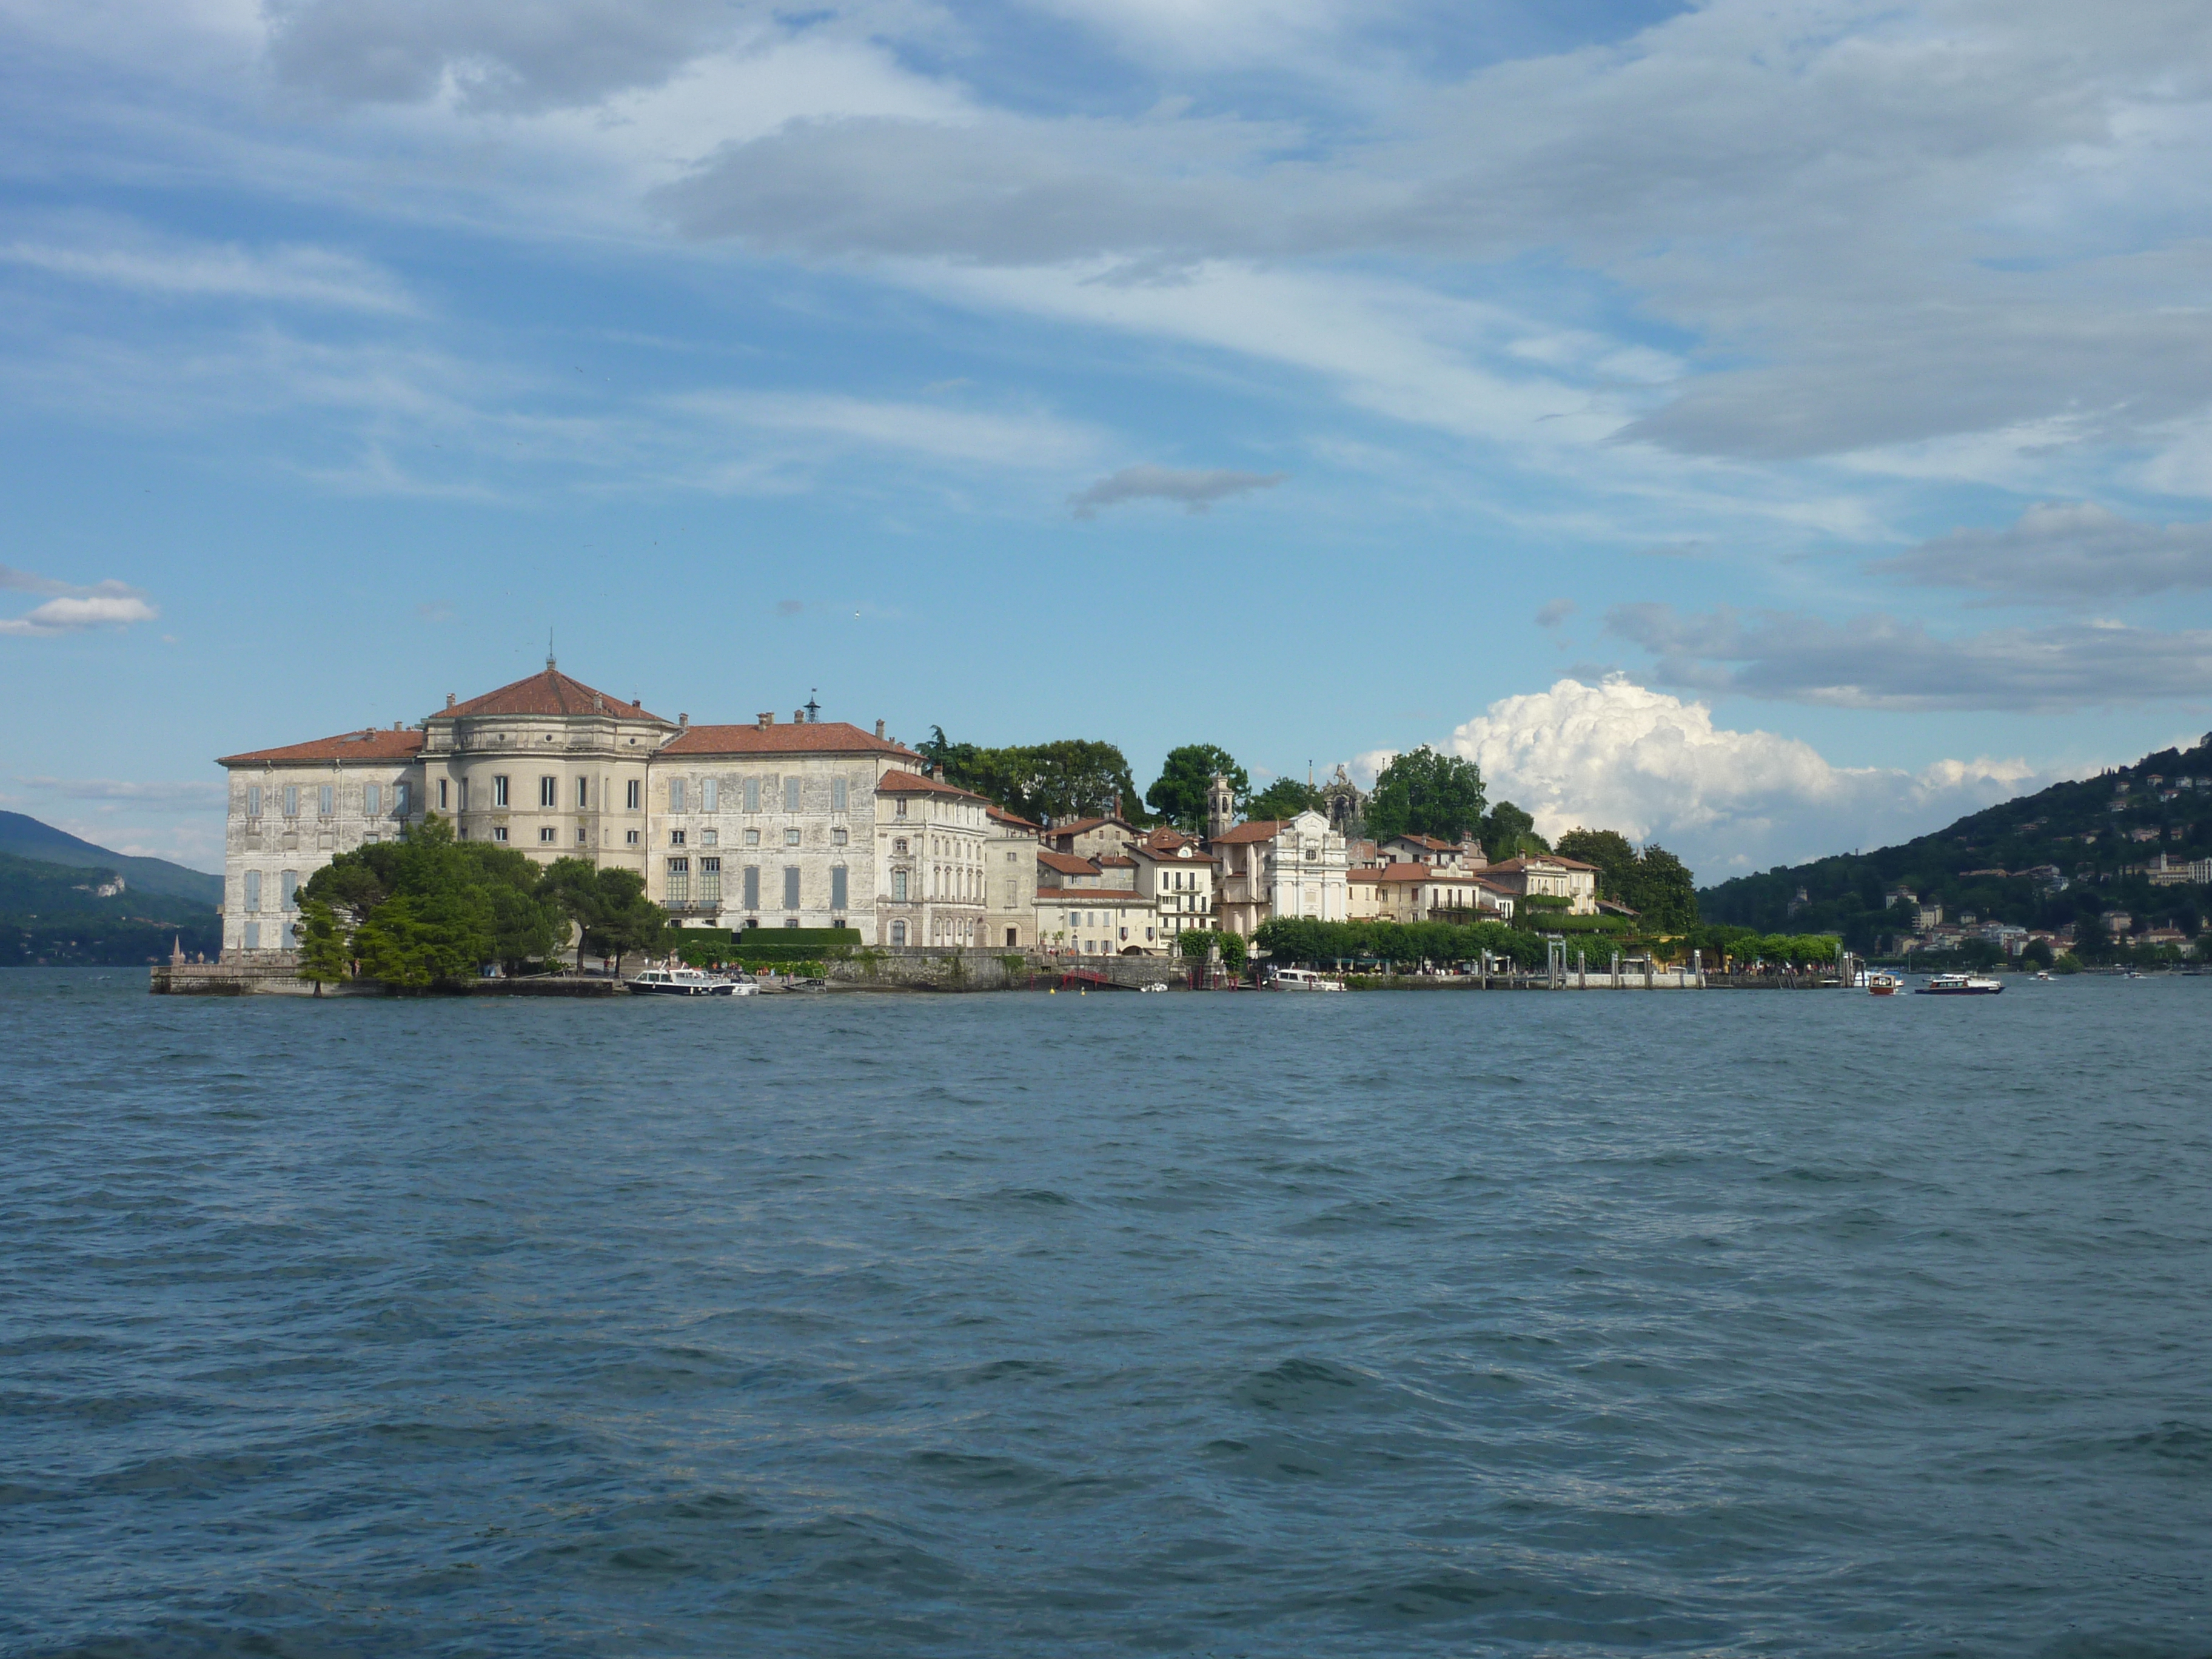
(1609, 850)
(572, 886)
(1507, 832)
(1186, 778)
(1070, 778)
(1666, 892)
(1426, 794)
(1285, 798)
(2037, 955)
(326, 944)
(627, 920)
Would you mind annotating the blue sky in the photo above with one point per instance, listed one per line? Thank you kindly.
(1765, 428)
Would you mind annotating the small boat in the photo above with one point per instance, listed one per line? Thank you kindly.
(1302, 979)
(1960, 985)
(1881, 985)
(680, 982)
(1155, 986)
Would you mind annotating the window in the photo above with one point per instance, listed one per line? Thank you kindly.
(791, 887)
(899, 847)
(464, 794)
(901, 812)
(252, 890)
(371, 800)
(752, 837)
(791, 794)
(630, 793)
(752, 887)
(679, 881)
(253, 936)
(253, 800)
(837, 836)
(288, 888)
(791, 922)
(791, 836)
(836, 794)
(499, 790)
(498, 832)
(581, 837)
(403, 799)
(583, 793)
(837, 887)
(710, 795)
(710, 881)
(752, 794)
(898, 932)
(291, 800)
(547, 834)
(629, 838)
(710, 838)
(676, 838)
(326, 800)
(441, 794)
(898, 887)
(676, 794)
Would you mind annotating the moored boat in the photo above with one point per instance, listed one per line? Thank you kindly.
(681, 982)
(1301, 979)
(1881, 985)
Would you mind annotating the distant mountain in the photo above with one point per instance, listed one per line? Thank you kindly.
(27, 838)
(2073, 853)
(77, 915)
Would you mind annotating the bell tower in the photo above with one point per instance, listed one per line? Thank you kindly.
(1220, 808)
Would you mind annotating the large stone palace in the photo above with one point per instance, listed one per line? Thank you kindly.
(803, 823)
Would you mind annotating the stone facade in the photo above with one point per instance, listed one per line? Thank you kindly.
(716, 820)
(1290, 867)
(1010, 881)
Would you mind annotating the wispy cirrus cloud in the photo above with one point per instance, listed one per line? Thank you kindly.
(71, 609)
(292, 274)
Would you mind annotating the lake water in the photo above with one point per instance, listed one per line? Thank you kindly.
(1392, 1324)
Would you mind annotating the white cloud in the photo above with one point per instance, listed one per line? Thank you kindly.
(1195, 490)
(72, 610)
(1617, 756)
(1029, 438)
(305, 276)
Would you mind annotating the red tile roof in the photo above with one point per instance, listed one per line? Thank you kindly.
(999, 815)
(1402, 873)
(1186, 853)
(1080, 826)
(550, 691)
(1512, 865)
(1258, 830)
(801, 738)
(1068, 864)
(1117, 863)
(918, 783)
(367, 745)
(1089, 895)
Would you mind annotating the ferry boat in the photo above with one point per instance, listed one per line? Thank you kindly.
(1881, 985)
(1960, 985)
(1302, 979)
(683, 982)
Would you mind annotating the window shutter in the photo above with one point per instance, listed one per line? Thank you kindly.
(752, 887)
(837, 795)
(791, 887)
(837, 887)
(676, 794)
(791, 794)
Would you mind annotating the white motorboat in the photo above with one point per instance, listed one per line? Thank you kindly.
(682, 982)
(1960, 985)
(1302, 979)
(1880, 985)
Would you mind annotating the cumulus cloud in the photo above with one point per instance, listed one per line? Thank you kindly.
(1195, 490)
(1618, 756)
(2059, 552)
(71, 609)
(1876, 661)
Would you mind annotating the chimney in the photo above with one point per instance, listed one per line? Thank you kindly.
(799, 717)
(449, 700)
(683, 719)
(1117, 803)
(879, 731)
(766, 719)
(938, 771)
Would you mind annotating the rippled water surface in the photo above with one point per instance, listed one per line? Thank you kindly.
(1745, 1322)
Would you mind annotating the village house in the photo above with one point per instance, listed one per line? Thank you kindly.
(1424, 892)
(1106, 836)
(1097, 921)
(1010, 889)
(1288, 867)
(1178, 875)
(1547, 876)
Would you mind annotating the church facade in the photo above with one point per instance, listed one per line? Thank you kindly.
(809, 823)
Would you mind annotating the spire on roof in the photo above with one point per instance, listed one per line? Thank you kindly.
(549, 651)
